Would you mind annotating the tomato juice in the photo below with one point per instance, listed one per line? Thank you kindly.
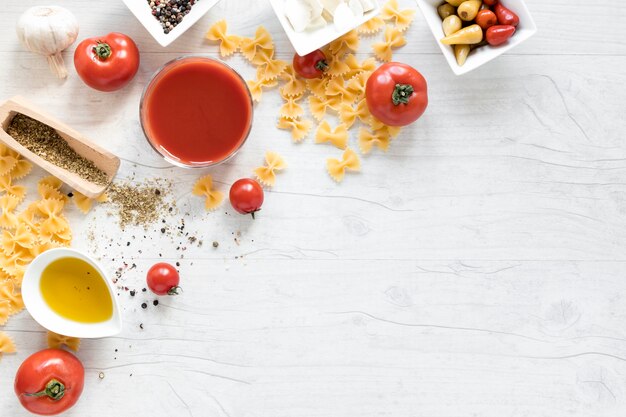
(196, 111)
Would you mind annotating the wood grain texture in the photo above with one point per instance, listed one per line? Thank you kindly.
(476, 269)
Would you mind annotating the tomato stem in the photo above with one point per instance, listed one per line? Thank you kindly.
(174, 290)
(402, 94)
(54, 389)
(321, 65)
(102, 50)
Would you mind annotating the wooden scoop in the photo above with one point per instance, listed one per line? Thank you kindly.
(103, 159)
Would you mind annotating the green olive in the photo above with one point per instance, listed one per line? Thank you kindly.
(452, 24)
(446, 10)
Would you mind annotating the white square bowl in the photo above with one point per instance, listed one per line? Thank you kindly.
(142, 11)
(479, 56)
(308, 41)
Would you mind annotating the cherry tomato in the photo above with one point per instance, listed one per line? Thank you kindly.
(107, 63)
(396, 94)
(246, 196)
(163, 279)
(490, 2)
(312, 65)
(486, 18)
(49, 382)
(498, 34)
(505, 16)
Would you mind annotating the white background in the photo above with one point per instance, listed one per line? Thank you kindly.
(476, 269)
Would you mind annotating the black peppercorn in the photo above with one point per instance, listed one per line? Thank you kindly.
(144, 305)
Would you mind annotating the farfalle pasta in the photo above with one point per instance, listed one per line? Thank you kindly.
(347, 114)
(8, 219)
(393, 39)
(377, 125)
(337, 167)
(57, 341)
(319, 107)
(262, 40)
(19, 239)
(317, 87)
(229, 44)
(337, 137)
(204, 188)
(299, 128)
(270, 68)
(7, 186)
(6, 343)
(367, 140)
(356, 85)
(337, 87)
(372, 26)
(266, 174)
(402, 18)
(84, 203)
(294, 85)
(10, 295)
(348, 42)
(21, 169)
(291, 109)
(7, 163)
(256, 87)
(356, 67)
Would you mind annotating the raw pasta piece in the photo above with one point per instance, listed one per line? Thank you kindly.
(337, 168)
(8, 294)
(372, 26)
(50, 207)
(270, 68)
(6, 343)
(336, 87)
(363, 111)
(319, 106)
(294, 86)
(12, 264)
(21, 238)
(356, 67)
(299, 128)
(81, 201)
(367, 140)
(229, 44)
(377, 125)
(102, 198)
(5, 312)
(56, 341)
(6, 185)
(347, 115)
(336, 67)
(8, 219)
(48, 192)
(267, 173)
(5, 150)
(256, 87)
(291, 109)
(317, 87)
(356, 85)
(402, 18)
(7, 163)
(262, 39)
(348, 42)
(21, 169)
(262, 56)
(204, 188)
(338, 137)
(393, 39)
(51, 181)
(55, 228)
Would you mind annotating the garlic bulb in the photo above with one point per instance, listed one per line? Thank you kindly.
(48, 30)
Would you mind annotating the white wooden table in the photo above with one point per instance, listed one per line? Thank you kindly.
(476, 269)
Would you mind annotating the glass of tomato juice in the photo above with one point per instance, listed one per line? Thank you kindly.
(196, 111)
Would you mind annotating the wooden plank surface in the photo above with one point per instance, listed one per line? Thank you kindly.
(476, 269)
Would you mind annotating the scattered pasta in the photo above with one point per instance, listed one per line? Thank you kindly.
(402, 18)
(6, 344)
(229, 44)
(337, 137)
(204, 188)
(267, 173)
(299, 128)
(291, 109)
(393, 39)
(367, 140)
(56, 341)
(337, 168)
(372, 26)
(262, 40)
(294, 86)
(6, 185)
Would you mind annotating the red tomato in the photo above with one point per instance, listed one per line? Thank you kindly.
(498, 34)
(312, 65)
(107, 63)
(490, 2)
(486, 18)
(505, 16)
(246, 196)
(396, 94)
(49, 382)
(163, 279)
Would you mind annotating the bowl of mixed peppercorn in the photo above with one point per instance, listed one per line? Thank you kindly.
(166, 20)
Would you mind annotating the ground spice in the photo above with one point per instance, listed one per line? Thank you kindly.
(138, 205)
(44, 141)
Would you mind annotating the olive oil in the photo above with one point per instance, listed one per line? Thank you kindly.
(74, 289)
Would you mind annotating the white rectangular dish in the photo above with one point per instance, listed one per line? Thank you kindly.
(310, 40)
(479, 56)
(142, 11)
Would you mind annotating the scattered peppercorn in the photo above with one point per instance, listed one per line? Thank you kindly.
(216, 244)
(155, 302)
(132, 293)
(144, 305)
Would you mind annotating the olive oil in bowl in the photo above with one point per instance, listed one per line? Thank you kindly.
(74, 289)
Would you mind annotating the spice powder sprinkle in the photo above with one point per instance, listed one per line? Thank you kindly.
(45, 142)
